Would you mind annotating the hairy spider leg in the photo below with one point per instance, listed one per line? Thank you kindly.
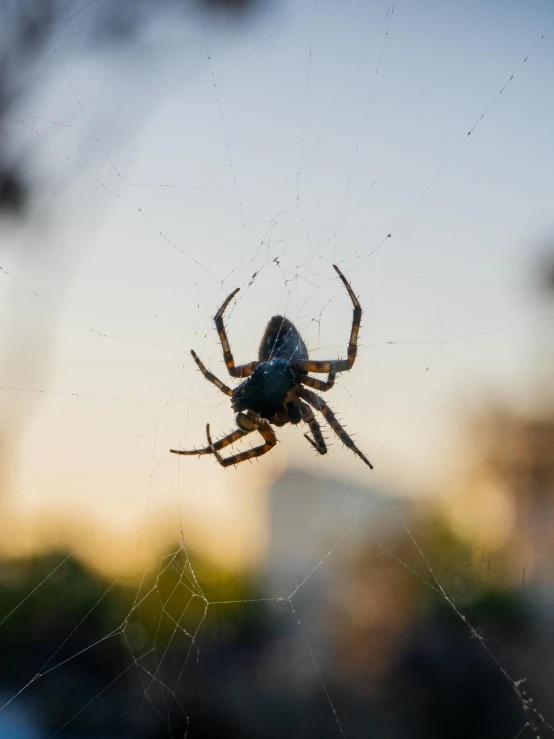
(340, 365)
(244, 370)
(229, 439)
(320, 405)
(318, 442)
(208, 375)
(265, 430)
(321, 385)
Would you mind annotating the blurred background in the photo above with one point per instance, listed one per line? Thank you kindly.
(153, 158)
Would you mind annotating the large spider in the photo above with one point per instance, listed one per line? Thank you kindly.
(274, 391)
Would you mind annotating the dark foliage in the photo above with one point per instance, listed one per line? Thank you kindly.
(29, 31)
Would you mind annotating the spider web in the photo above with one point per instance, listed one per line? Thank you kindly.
(252, 156)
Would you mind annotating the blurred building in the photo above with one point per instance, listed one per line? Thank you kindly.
(338, 549)
(317, 522)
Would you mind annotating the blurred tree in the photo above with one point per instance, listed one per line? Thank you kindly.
(29, 30)
(444, 684)
(70, 638)
(504, 504)
(547, 272)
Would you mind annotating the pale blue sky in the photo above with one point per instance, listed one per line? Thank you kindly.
(316, 130)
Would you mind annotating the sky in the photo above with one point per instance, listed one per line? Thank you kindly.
(213, 155)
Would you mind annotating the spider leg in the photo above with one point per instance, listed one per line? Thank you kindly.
(318, 442)
(265, 430)
(320, 384)
(229, 439)
(340, 365)
(243, 370)
(320, 405)
(208, 375)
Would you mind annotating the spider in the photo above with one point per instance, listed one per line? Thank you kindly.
(276, 389)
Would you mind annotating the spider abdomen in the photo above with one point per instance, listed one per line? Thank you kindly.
(281, 339)
(266, 389)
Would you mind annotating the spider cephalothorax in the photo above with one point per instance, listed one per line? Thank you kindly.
(266, 389)
(274, 390)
